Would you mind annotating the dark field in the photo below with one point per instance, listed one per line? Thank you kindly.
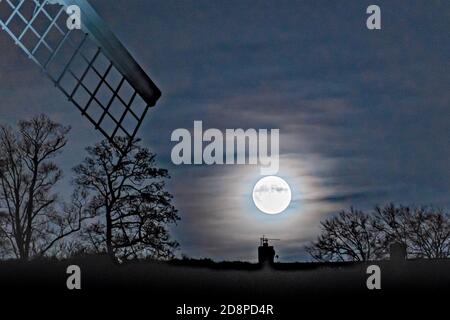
(164, 286)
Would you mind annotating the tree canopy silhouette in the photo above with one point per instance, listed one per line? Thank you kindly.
(351, 235)
(30, 221)
(127, 194)
(425, 231)
(357, 236)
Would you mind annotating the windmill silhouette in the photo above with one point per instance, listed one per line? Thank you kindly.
(90, 66)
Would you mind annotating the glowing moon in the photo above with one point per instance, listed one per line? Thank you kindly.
(271, 195)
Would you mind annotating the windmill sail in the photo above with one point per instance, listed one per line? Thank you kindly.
(90, 66)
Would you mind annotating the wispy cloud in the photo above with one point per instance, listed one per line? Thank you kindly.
(363, 116)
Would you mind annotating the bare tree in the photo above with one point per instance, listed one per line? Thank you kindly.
(60, 224)
(350, 235)
(424, 230)
(3, 238)
(429, 234)
(30, 224)
(128, 196)
(357, 236)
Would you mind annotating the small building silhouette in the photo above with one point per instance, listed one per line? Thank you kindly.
(266, 253)
(397, 251)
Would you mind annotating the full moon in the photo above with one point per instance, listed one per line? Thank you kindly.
(271, 195)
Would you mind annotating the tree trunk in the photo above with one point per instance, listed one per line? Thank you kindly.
(30, 208)
(109, 245)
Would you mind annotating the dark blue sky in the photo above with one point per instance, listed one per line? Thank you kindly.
(363, 115)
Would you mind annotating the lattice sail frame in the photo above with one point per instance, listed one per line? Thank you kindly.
(90, 66)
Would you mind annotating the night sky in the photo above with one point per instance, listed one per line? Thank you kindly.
(364, 116)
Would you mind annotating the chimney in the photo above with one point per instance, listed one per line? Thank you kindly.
(397, 252)
(266, 253)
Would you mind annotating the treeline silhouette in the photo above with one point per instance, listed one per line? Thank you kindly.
(120, 208)
(119, 204)
(355, 235)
